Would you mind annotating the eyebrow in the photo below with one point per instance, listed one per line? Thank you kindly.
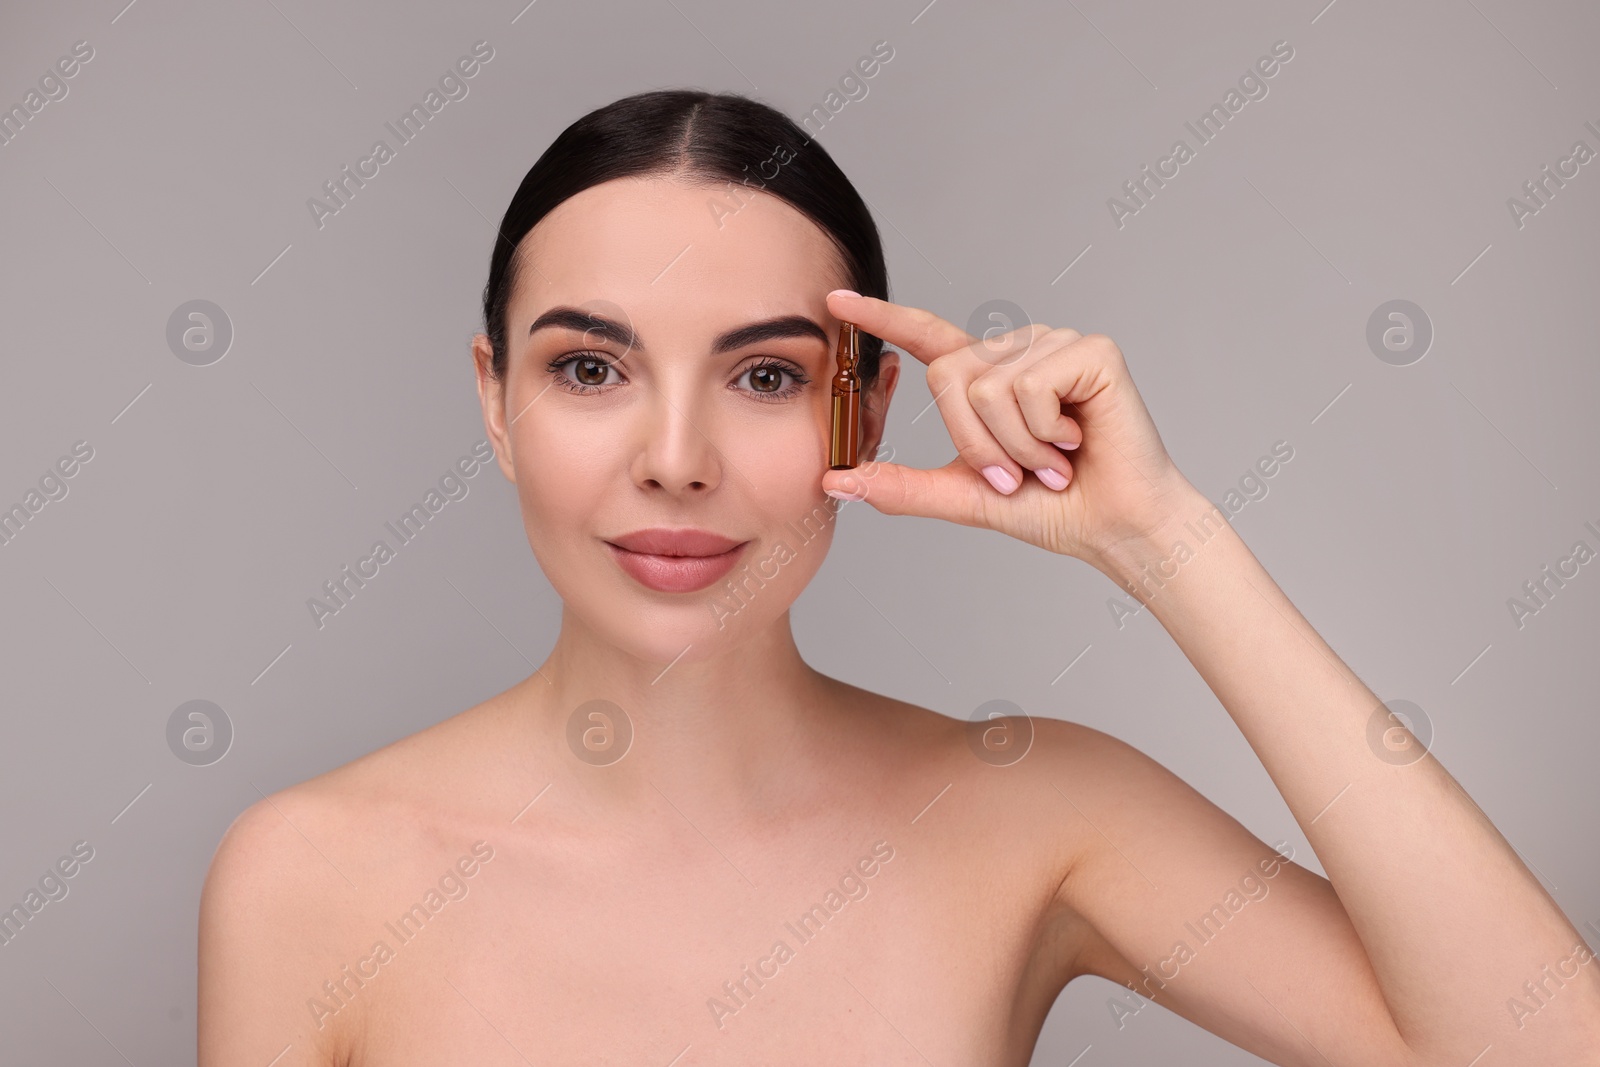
(571, 318)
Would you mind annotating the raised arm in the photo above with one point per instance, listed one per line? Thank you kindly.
(1430, 943)
(1429, 929)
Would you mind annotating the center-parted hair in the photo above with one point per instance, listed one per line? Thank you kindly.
(690, 134)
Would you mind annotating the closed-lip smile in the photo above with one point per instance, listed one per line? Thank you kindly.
(675, 561)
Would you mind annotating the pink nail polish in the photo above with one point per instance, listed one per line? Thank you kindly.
(1000, 478)
(1065, 444)
(1051, 477)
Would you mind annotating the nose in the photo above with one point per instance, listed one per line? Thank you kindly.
(678, 452)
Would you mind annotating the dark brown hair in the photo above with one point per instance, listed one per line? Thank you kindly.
(715, 138)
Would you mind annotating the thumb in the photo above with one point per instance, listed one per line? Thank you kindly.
(954, 492)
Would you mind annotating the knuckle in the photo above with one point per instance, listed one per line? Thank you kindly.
(1028, 338)
(1104, 345)
(975, 454)
(984, 391)
(1031, 383)
(941, 374)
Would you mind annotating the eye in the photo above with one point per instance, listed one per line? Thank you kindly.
(589, 376)
(766, 378)
(589, 372)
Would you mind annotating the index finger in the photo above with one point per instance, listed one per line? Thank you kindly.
(922, 333)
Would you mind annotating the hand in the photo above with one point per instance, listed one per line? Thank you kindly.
(1007, 402)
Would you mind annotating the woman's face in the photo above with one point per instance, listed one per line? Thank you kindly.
(651, 403)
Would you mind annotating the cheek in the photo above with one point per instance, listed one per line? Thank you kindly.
(557, 483)
(782, 463)
(795, 443)
(784, 468)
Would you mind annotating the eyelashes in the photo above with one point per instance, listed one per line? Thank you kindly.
(596, 364)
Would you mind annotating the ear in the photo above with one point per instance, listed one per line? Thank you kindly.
(491, 394)
(875, 403)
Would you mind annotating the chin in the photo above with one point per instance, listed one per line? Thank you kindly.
(686, 629)
(664, 628)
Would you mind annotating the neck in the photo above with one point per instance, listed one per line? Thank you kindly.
(744, 729)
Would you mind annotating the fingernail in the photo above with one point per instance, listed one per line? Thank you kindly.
(1000, 478)
(1065, 444)
(846, 292)
(1051, 477)
(840, 494)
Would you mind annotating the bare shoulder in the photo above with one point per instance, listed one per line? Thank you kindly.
(276, 836)
(1021, 783)
(1150, 873)
(291, 839)
(290, 882)
(1144, 851)
(1005, 757)
(1025, 799)
(269, 908)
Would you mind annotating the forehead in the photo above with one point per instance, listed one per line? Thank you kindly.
(696, 257)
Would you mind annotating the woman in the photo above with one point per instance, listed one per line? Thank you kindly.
(678, 843)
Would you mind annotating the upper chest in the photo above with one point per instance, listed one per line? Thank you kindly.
(872, 939)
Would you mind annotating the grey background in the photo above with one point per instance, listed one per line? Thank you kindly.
(1378, 167)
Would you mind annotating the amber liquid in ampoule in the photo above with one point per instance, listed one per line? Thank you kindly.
(846, 400)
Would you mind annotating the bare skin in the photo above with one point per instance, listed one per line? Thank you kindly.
(605, 922)
(630, 911)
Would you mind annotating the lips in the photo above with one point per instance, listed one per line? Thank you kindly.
(688, 542)
(675, 561)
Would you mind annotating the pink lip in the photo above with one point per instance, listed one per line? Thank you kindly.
(675, 561)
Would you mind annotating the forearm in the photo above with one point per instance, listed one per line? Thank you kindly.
(1452, 921)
